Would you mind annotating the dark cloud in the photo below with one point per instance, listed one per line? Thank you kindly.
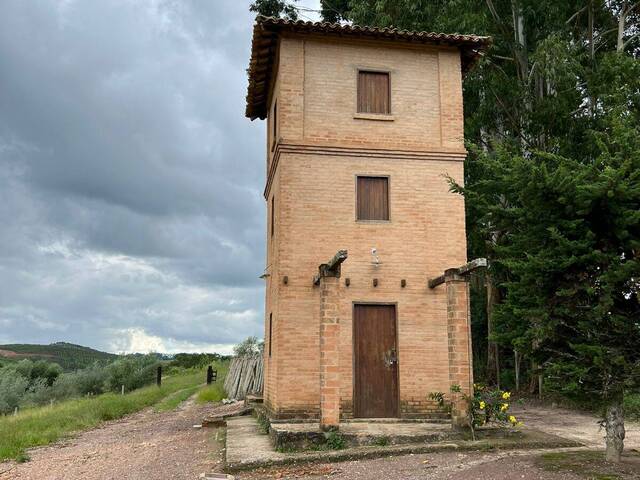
(130, 182)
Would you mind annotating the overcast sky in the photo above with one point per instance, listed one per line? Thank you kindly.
(131, 209)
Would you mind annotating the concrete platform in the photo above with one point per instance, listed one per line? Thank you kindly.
(303, 436)
(248, 447)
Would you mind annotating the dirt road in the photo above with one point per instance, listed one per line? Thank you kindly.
(145, 446)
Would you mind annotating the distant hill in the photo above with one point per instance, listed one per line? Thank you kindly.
(67, 355)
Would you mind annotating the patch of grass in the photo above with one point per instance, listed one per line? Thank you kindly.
(381, 441)
(172, 401)
(263, 424)
(589, 465)
(215, 392)
(43, 425)
(211, 393)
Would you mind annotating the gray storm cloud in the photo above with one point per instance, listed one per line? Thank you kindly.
(131, 215)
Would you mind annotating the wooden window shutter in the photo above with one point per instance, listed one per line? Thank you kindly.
(372, 198)
(374, 93)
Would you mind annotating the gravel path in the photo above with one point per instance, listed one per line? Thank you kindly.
(146, 445)
(574, 425)
(441, 465)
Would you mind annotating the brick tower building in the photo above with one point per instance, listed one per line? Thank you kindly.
(363, 125)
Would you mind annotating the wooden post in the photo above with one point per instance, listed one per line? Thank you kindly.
(159, 376)
(122, 390)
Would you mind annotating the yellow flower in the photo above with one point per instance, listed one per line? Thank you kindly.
(482, 405)
(504, 407)
(506, 395)
(513, 419)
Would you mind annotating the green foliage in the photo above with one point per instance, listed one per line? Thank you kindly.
(334, 440)
(196, 360)
(133, 372)
(382, 441)
(263, 423)
(250, 346)
(12, 389)
(437, 397)
(275, 8)
(26, 383)
(632, 405)
(67, 355)
(491, 406)
(44, 425)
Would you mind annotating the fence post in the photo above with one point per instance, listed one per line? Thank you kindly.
(159, 376)
(15, 412)
(209, 375)
(122, 389)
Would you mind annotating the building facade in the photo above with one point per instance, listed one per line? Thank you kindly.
(363, 127)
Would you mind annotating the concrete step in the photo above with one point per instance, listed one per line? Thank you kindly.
(304, 436)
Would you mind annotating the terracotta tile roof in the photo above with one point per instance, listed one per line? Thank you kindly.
(265, 41)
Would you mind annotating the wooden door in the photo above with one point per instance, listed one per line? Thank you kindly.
(376, 362)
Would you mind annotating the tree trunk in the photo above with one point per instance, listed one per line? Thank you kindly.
(592, 46)
(533, 382)
(493, 358)
(614, 426)
(622, 20)
(516, 359)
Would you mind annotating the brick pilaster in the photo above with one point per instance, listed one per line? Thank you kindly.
(329, 352)
(459, 343)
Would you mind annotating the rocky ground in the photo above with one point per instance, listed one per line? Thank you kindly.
(458, 466)
(146, 445)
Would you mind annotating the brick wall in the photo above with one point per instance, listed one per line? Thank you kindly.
(322, 148)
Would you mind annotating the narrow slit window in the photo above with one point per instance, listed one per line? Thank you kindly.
(270, 331)
(372, 195)
(273, 215)
(374, 94)
(274, 125)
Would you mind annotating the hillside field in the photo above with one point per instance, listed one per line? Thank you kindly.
(67, 355)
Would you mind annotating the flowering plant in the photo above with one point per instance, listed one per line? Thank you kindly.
(490, 405)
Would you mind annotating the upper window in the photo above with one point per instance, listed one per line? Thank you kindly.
(373, 92)
(372, 198)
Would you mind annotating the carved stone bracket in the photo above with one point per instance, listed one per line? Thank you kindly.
(331, 268)
(462, 271)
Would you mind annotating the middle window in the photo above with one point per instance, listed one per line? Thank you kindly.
(372, 201)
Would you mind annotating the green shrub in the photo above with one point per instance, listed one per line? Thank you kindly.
(335, 440)
(12, 389)
(381, 441)
(133, 372)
